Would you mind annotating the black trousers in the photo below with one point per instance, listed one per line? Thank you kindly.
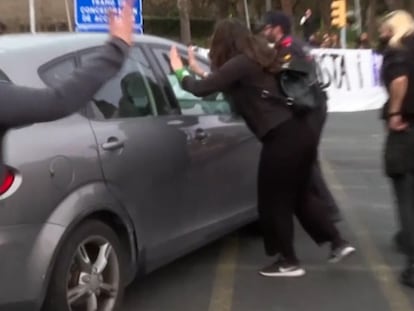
(404, 192)
(321, 189)
(399, 166)
(284, 189)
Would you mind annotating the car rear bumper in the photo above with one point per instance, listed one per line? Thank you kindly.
(26, 253)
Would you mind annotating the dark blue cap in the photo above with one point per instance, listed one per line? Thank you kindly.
(275, 18)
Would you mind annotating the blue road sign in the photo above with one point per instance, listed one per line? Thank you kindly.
(92, 15)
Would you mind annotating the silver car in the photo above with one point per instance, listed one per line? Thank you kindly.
(142, 175)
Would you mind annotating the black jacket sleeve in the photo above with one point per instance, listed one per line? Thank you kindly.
(395, 64)
(22, 105)
(220, 80)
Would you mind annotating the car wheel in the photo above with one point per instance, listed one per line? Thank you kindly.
(88, 273)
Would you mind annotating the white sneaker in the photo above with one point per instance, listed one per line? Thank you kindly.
(282, 269)
(341, 252)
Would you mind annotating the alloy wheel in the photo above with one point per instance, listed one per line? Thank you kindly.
(93, 278)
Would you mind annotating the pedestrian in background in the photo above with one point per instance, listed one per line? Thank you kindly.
(363, 41)
(242, 64)
(397, 40)
(309, 23)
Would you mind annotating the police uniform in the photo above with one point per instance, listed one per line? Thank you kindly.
(289, 48)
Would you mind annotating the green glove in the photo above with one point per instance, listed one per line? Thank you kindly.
(181, 73)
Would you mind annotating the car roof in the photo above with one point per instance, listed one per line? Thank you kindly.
(25, 41)
(22, 54)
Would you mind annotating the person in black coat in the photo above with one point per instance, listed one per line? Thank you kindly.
(276, 27)
(397, 40)
(242, 64)
(310, 24)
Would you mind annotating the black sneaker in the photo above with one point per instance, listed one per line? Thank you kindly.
(341, 252)
(282, 269)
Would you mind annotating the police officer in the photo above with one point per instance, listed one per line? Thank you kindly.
(397, 38)
(276, 27)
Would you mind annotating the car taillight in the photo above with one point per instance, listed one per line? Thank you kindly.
(7, 181)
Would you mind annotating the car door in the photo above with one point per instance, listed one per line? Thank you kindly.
(229, 153)
(145, 160)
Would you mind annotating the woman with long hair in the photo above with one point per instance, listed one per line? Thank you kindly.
(397, 43)
(241, 63)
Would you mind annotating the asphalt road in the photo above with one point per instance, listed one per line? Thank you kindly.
(223, 276)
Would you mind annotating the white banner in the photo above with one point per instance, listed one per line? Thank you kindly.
(354, 77)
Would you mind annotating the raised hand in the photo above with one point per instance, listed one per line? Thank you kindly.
(122, 26)
(175, 59)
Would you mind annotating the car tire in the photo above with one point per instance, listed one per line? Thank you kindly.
(88, 271)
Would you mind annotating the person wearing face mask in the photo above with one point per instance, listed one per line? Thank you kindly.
(397, 45)
(276, 27)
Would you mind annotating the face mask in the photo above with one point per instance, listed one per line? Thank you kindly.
(384, 40)
(383, 43)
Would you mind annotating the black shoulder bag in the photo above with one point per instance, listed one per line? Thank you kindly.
(299, 87)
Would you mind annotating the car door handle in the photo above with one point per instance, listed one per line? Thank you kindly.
(113, 143)
(201, 134)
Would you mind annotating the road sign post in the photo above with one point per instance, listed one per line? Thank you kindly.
(92, 15)
(32, 14)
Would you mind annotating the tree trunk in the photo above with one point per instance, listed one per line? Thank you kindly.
(364, 15)
(222, 9)
(371, 18)
(239, 7)
(411, 6)
(268, 5)
(325, 9)
(394, 4)
(185, 27)
(287, 8)
(257, 9)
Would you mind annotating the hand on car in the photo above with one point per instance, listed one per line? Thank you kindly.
(175, 59)
(192, 62)
(122, 26)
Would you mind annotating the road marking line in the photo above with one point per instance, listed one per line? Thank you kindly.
(386, 278)
(223, 287)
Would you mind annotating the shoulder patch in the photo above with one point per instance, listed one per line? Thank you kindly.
(287, 42)
(287, 57)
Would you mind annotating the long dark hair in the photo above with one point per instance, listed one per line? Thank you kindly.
(231, 38)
